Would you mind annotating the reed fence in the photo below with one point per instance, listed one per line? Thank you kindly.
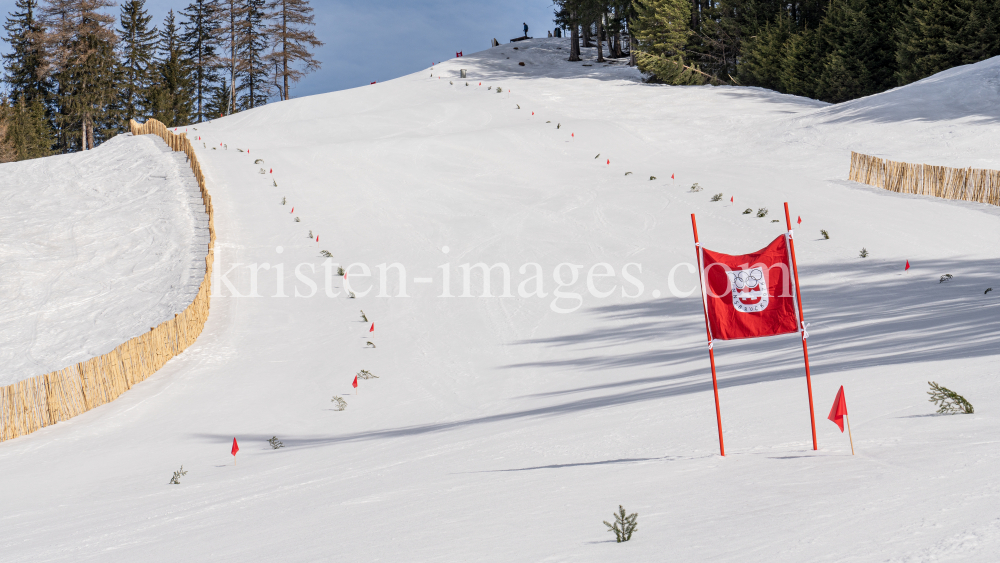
(968, 184)
(44, 400)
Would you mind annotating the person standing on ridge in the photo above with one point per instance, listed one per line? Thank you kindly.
(525, 29)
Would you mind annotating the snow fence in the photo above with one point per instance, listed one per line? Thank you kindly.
(44, 400)
(969, 184)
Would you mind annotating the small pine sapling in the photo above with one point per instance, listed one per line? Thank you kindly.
(762, 212)
(350, 295)
(863, 253)
(946, 277)
(988, 289)
(558, 125)
(499, 90)
(651, 178)
(696, 188)
(747, 211)
(624, 526)
(325, 254)
(283, 201)
(275, 443)
(826, 235)
(717, 197)
(297, 220)
(262, 171)
(948, 401)
(518, 106)
(365, 374)
(340, 270)
(275, 182)
(598, 156)
(176, 479)
(341, 403)
(774, 221)
(627, 173)
(369, 343)
(364, 319)
(259, 161)
(450, 83)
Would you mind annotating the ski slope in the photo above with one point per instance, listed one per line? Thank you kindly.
(500, 429)
(97, 248)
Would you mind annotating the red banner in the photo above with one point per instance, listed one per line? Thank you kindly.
(750, 295)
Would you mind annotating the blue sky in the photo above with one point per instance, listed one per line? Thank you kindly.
(382, 39)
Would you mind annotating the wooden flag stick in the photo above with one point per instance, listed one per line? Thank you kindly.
(851, 438)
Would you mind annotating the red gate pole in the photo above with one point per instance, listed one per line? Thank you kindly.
(708, 334)
(802, 320)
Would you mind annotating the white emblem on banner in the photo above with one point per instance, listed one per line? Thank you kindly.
(749, 290)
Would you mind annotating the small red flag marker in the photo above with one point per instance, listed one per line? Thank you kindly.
(372, 329)
(236, 448)
(609, 162)
(800, 220)
(907, 266)
(317, 238)
(292, 211)
(355, 384)
(671, 176)
(731, 200)
(839, 412)
(572, 135)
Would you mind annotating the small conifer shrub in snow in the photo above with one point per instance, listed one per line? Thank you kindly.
(598, 156)
(651, 178)
(176, 479)
(747, 211)
(275, 182)
(624, 526)
(988, 289)
(948, 401)
(499, 90)
(558, 125)
(774, 221)
(259, 161)
(717, 197)
(946, 277)
(762, 212)
(466, 83)
(365, 374)
(450, 83)
(275, 443)
(696, 188)
(310, 235)
(863, 253)
(350, 295)
(627, 173)
(826, 235)
(341, 404)
(369, 343)
(283, 201)
(340, 270)
(297, 220)
(363, 317)
(325, 254)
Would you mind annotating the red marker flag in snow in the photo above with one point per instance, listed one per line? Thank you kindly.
(271, 171)
(372, 329)
(800, 220)
(907, 266)
(731, 199)
(749, 296)
(572, 135)
(609, 162)
(355, 384)
(839, 410)
(292, 211)
(317, 238)
(671, 176)
(236, 447)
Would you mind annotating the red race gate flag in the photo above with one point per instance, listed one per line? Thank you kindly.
(839, 413)
(372, 329)
(236, 448)
(907, 267)
(355, 385)
(750, 296)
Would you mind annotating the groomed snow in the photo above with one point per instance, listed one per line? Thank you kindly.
(97, 247)
(501, 430)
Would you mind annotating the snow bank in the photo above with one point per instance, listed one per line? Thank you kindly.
(99, 247)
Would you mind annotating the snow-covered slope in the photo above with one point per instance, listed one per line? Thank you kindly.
(96, 248)
(502, 430)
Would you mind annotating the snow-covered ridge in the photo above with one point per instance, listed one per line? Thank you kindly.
(97, 248)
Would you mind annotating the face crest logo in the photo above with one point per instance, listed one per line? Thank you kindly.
(749, 289)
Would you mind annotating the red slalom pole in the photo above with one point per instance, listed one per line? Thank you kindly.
(802, 319)
(708, 334)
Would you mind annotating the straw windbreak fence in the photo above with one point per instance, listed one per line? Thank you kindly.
(47, 399)
(968, 184)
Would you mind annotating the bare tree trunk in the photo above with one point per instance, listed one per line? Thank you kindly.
(90, 135)
(631, 50)
(232, 58)
(574, 43)
(284, 52)
(586, 36)
(83, 134)
(600, 48)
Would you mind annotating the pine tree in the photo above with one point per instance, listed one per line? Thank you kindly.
(137, 48)
(7, 151)
(661, 30)
(81, 58)
(292, 41)
(200, 38)
(28, 132)
(927, 30)
(764, 54)
(219, 102)
(253, 68)
(22, 64)
(232, 23)
(172, 83)
(802, 63)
